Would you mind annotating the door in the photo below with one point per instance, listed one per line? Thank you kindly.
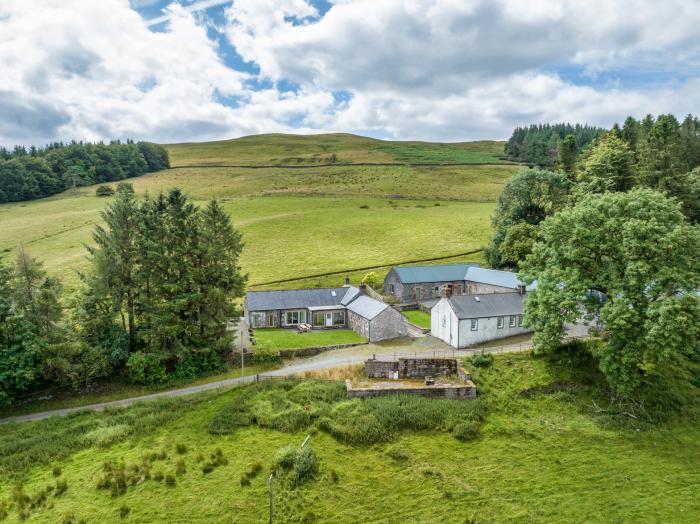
(329, 319)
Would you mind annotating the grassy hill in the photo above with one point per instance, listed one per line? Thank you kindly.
(546, 451)
(298, 150)
(296, 222)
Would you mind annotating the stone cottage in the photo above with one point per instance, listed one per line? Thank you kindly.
(416, 284)
(465, 320)
(325, 308)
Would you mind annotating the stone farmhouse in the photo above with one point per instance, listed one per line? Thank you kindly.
(465, 320)
(417, 284)
(326, 308)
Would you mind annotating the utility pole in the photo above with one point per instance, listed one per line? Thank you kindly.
(240, 334)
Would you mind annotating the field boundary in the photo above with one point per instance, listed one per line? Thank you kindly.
(348, 164)
(354, 270)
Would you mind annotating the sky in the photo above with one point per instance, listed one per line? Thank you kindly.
(440, 70)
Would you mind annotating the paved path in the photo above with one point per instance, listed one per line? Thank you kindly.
(427, 346)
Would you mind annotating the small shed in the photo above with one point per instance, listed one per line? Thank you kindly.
(375, 320)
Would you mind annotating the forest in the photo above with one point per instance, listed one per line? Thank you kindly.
(30, 173)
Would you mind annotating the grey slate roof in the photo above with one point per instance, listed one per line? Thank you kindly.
(350, 295)
(294, 298)
(491, 305)
(367, 307)
(493, 277)
(440, 273)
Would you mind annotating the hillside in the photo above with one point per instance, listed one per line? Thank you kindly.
(340, 148)
(296, 222)
(546, 451)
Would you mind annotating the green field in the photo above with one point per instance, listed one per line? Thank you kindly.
(296, 222)
(547, 452)
(279, 338)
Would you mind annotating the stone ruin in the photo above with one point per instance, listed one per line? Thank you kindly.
(410, 369)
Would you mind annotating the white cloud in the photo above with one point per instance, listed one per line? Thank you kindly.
(440, 69)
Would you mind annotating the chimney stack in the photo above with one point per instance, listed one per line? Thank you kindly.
(347, 281)
(363, 288)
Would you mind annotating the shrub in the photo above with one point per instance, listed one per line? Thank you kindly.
(104, 191)
(245, 480)
(397, 453)
(263, 355)
(180, 467)
(158, 475)
(300, 464)
(125, 187)
(466, 430)
(334, 477)
(146, 369)
(371, 279)
(481, 360)
(170, 480)
(181, 449)
(61, 487)
(68, 518)
(124, 511)
(56, 471)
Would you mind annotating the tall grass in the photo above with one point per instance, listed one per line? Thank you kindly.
(23, 446)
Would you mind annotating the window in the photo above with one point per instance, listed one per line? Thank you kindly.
(520, 320)
(436, 291)
(459, 289)
(500, 322)
(474, 324)
(511, 321)
(295, 317)
(338, 318)
(319, 319)
(257, 320)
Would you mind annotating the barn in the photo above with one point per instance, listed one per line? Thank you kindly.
(375, 320)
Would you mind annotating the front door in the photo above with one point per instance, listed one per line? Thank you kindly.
(329, 319)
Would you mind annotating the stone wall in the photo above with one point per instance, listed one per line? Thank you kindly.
(381, 369)
(358, 324)
(387, 324)
(426, 367)
(453, 392)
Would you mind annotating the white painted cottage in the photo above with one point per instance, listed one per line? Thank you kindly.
(465, 320)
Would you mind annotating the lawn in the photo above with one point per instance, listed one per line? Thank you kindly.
(278, 338)
(544, 454)
(417, 317)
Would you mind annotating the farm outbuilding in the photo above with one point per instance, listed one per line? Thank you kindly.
(465, 320)
(375, 320)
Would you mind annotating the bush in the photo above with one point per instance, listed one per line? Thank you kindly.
(466, 430)
(371, 279)
(170, 480)
(126, 187)
(104, 191)
(180, 467)
(181, 449)
(124, 511)
(56, 471)
(300, 464)
(481, 360)
(146, 369)
(262, 355)
(61, 487)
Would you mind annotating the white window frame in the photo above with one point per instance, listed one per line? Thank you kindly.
(340, 312)
(474, 324)
(500, 322)
(512, 321)
(300, 317)
(520, 320)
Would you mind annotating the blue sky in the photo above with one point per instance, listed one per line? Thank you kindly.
(443, 70)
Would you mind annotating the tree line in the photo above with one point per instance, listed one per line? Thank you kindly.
(538, 144)
(153, 306)
(30, 173)
(611, 233)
